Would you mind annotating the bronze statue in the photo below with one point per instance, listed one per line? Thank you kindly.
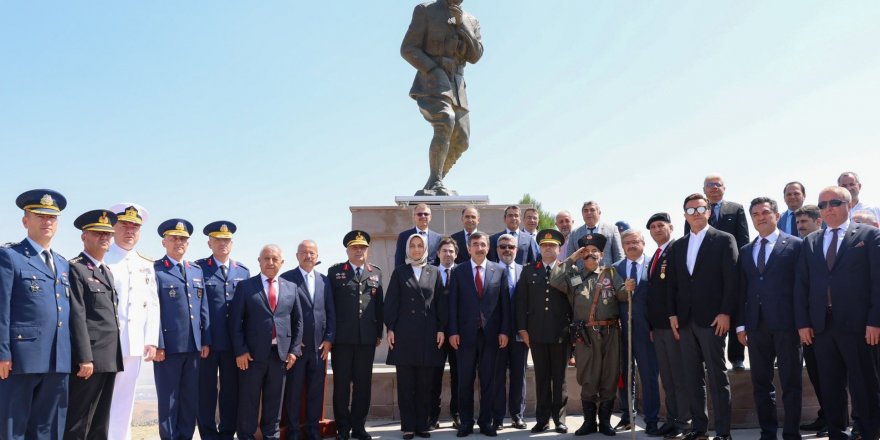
(441, 38)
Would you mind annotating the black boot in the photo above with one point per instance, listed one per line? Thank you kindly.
(605, 409)
(589, 425)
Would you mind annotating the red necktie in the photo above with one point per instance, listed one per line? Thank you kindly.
(478, 280)
(654, 261)
(273, 300)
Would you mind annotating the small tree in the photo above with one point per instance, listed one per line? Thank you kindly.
(546, 220)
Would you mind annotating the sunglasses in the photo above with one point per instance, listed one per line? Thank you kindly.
(423, 214)
(507, 247)
(698, 209)
(834, 203)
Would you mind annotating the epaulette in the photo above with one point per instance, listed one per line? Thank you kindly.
(337, 265)
(76, 259)
(145, 258)
(200, 261)
(238, 264)
(374, 266)
(11, 244)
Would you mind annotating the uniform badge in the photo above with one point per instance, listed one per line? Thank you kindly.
(35, 287)
(605, 301)
(662, 276)
(199, 293)
(172, 293)
(373, 292)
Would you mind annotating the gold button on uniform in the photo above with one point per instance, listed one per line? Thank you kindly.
(59, 324)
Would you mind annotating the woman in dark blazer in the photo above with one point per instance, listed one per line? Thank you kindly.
(415, 315)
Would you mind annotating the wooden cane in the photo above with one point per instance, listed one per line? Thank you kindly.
(629, 357)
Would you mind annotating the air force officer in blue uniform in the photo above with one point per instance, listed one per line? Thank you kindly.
(222, 275)
(34, 332)
(185, 334)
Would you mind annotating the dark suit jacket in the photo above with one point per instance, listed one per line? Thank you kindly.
(415, 309)
(220, 293)
(319, 316)
(526, 248)
(466, 309)
(94, 330)
(657, 300)
(433, 244)
(770, 294)
(541, 309)
(251, 320)
(639, 298)
(731, 219)
(712, 289)
(854, 281)
(463, 254)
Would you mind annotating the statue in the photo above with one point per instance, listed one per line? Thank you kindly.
(441, 38)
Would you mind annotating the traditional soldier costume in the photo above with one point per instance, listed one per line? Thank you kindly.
(34, 330)
(544, 313)
(185, 331)
(220, 281)
(94, 332)
(138, 308)
(357, 295)
(594, 295)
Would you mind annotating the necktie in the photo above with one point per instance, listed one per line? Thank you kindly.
(478, 282)
(511, 275)
(182, 271)
(422, 233)
(654, 260)
(357, 273)
(273, 300)
(549, 269)
(830, 257)
(713, 218)
(792, 224)
(310, 284)
(224, 271)
(762, 256)
(633, 271)
(47, 258)
(446, 282)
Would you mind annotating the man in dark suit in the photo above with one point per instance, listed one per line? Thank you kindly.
(421, 218)
(702, 297)
(94, 330)
(730, 217)
(666, 345)
(765, 323)
(265, 325)
(448, 255)
(222, 276)
(526, 247)
(307, 376)
(185, 338)
(514, 357)
(837, 282)
(34, 328)
(470, 219)
(794, 194)
(479, 320)
(635, 267)
(542, 318)
(358, 299)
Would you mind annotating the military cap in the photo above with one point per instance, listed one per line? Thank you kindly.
(220, 229)
(41, 201)
(175, 226)
(622, 225)
(130, 212)
(660, 216)
(98, 220)
(356, 237)
(550, 236)
(597, 240)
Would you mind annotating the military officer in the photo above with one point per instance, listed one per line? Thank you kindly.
(222, 274)
(34, 330)
(138, 308)
(94, 330)
(357, 297)
(543, 315)
(594, 293)
(185, 334)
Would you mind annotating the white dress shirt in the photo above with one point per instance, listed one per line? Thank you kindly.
(826, 239)
(694, 243)
(771, 241)
(309, 277)
(417, 271)
(443, 275)
(265, 280)
(640, 264)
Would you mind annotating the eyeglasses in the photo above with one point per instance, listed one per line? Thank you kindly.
(507, 247)
(833, 202)
(423, 214)
(698, 209)
(714, 185)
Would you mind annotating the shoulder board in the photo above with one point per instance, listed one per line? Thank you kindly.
(59, 255)
(336, 265)
(76, 260)
(11, 244)
(200, 261)
(237, 264)
(144, 257)
(374, 266)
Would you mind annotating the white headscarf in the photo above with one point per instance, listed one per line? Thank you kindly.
(421, 262)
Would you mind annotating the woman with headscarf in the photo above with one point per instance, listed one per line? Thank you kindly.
(415, 315)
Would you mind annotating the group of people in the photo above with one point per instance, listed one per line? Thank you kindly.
(74, 334)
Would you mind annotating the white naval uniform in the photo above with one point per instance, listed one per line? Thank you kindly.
(138, 308)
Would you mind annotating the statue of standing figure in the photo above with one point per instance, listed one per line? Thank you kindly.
(441, 38)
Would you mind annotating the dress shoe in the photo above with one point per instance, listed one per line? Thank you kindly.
(664, 429)
(674, 433)
(433, 424)
(623, 425)
(738, 365)
(518, 423)
(723, 437)
(464, 431)
(361, 434)
(822, 432)
(815, 425)
(408, 436)
(561, 428)
(695, 435)
(540, 427)
(652, 430)
(342, 436)
(498, 426)
(456, 422)
(489, 431)
(423, 434)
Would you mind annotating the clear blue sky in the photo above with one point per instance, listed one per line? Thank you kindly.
(279, 115)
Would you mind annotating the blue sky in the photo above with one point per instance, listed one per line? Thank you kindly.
(280, 115)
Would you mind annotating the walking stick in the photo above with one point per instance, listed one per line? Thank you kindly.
(629, 360)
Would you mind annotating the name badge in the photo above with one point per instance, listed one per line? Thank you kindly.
(575, 280)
